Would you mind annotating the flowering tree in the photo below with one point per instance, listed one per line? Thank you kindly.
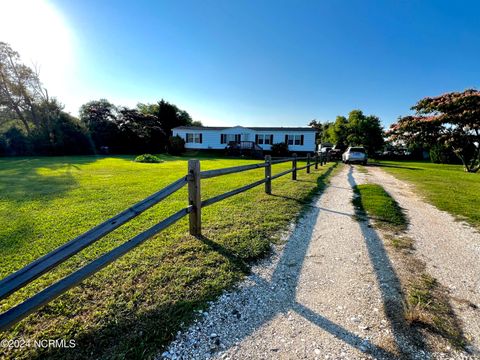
(451, 119)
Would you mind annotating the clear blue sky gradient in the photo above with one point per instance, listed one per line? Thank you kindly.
(276, 62)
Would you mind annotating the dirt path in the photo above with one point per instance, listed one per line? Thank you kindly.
(450, 249)
(330, 292)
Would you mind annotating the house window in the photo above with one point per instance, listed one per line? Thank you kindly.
(295, 139)
(194, 138)
(264, 139)
(228, 138)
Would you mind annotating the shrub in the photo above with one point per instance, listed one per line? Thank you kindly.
(64, 135)
(17, 142)
(441, 154)
(280, 149)
(72, 137)
(176, 145)
(148, 158)
(3, 145)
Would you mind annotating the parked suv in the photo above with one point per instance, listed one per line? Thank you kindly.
(355, 155)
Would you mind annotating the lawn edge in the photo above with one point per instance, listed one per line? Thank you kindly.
(427, 303)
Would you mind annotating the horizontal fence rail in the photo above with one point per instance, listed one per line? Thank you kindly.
(276, 176)
(40, 266)
(236, 169)
(43, 297)
(280, 161)
(220, 197)
(30, 272)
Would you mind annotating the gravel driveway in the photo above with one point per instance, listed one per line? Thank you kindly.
(330, 292)
(450, 249)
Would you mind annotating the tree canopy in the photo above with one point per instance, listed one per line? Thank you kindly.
(169, 115)
(31, 122)
(144, 128)
(451, 120)
(355, 130)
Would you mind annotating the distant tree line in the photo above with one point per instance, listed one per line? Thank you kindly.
(357, 129)
(33, 123)
(146, 128)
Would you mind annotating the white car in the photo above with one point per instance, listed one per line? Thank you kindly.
(355, 155)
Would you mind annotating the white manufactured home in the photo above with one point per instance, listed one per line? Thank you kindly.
(300, 139)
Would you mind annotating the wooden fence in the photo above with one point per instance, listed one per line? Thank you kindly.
(22, 277)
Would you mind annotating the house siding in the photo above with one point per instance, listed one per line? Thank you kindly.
(211, 138)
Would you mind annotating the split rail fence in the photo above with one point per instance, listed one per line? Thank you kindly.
(24, 276)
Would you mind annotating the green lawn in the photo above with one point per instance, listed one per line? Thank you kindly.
(373, 200)
(447, 187)
(134, 306)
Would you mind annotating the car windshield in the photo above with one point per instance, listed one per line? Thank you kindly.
(357, 149)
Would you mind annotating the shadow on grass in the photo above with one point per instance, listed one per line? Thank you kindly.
(395, 166)
(136, 336)
(16, 237)
(408, 338)
(387, 214)
(23, 180)
(143, 334)
(322, 182)
(130, 333)
(234, 260)
(202, 155)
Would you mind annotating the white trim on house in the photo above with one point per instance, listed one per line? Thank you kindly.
(299, 139)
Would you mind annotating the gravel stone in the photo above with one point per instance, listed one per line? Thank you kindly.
(317, 295)
(450, 249)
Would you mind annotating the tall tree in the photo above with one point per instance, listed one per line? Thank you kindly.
(142, 132)
(451, 119)
(21, 92)
(355, 130)
(317, 125)
(169, 115)
(364, 130)
(337, 132)
(196, 123)
(100, 118)
(325, 131)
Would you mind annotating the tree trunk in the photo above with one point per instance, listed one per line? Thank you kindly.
(475, 162)
(468, 167)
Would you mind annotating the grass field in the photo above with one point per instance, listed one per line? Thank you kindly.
(379, 205)
(134, 306)
(447, 187)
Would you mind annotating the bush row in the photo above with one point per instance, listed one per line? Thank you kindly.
(68, 136)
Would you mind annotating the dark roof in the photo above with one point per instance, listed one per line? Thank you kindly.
(267, 128)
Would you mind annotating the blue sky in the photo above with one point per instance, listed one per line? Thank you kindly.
(268, 62)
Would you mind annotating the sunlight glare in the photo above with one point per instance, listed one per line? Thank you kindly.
(38, 31)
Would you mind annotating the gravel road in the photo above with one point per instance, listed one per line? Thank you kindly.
(329, 293)
(450, 249)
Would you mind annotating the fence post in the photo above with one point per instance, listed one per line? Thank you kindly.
(294, 167)
(268, 174)
(308, 163)
(316, 161)
(194, 197)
